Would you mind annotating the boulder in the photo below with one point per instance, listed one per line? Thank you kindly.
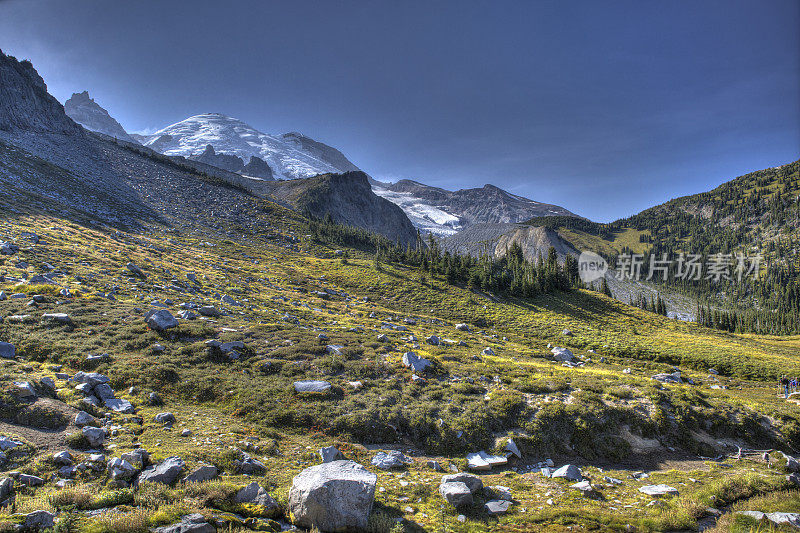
(433, 340)
(84, 419)
(103, 391)
(415, 363)
(201, 473)
(473, 482)
(312, 386)
(496, 507)
(462, 327)
(60, 318)
(249, 465)
(6, 488)
(392, 459)
(120, 406)
(136, 270)
(193, 523)
(92, 379)
(333, 496)
(658, 490)
(675, 377)
(62, 458)
(138, 457)
(330, 453)
(456, 493)
(160, 320)
(512, 448)
(488, 351)
(166, 472)
(254, 494)
(119, 468)
(165, 418)
(94, 436)
(7, 350)
(570, 472)
(562, 354)
(39, 520)
(30, 481)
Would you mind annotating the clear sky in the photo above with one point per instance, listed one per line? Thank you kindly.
(604, 107)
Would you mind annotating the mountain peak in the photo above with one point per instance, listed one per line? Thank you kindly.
(85, 111)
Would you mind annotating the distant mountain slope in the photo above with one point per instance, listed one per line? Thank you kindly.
(289, 156)
(88, 113)
(444, 212)
(349, 200)
(25, 103)
(494, 239)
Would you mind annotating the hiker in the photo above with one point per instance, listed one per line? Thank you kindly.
(785, 385)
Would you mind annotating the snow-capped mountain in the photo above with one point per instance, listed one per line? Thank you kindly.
(444, 212)
(89, 114)
(289, 156)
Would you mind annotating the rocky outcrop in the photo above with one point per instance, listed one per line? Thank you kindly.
(349, 199)
(321, 151)
(496, 239)
(25, 103)
(332, 496)
(256, 167)
(88, 113)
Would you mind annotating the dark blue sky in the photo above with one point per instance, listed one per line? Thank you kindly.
(604, 107)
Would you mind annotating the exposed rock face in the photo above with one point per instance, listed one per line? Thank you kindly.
(25, 103)
(256, 168)
(333, 496)
(496, 239)
(349, 199)
(86, 112)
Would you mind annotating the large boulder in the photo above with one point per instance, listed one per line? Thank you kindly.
(7, 350)
(562, 354)
(94, 436)
(570, 472)
(456, 493)
(415, 363)
(332, 496)
(201, 473)
(166, 472)
(39, 520)
(472, 481)
(160, 320)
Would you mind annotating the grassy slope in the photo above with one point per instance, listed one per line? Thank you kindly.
(226, 403)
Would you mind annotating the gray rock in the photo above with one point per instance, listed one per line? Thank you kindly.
(62, 458)
(256, 495)
(415, 363)
(84, 419)
(165, 418)
(7, 350)
(497, 507)
(138, 457)
(472, 481)
(6, 488)
(456, 493)
(61, 318)
(658, 490)
(94, 436)
(90, 378)
(209, 310)
(311, 386)
(193, 523)
(462, 327)
(7, 443)
(570, 472)
(120, 406)
(249, 465)
(166, 472)
(103, 391)
(119, 468)
(201, 473)
(333, 496)
(136, 270)
(39, 520)
(511, 447)
(24, 389)
(392, 459)
(562, 354)
(30, 481)
(433, 340)
(160, 320)
(330, 453)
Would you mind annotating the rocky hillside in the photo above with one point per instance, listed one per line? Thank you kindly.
(444, 212)
(88, 113)
(25, 103)
(349, 199)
